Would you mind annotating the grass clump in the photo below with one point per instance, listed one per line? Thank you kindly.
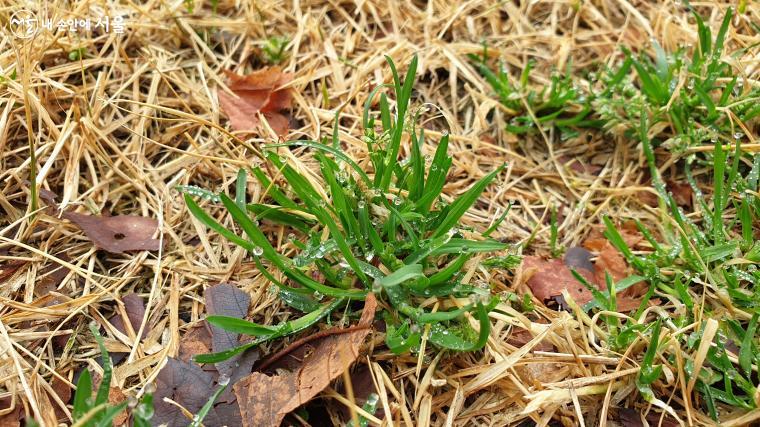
(711, 253)
(387, 231)
(563, 103)
(690, 100)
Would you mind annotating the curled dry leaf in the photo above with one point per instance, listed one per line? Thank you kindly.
(118, 234)
(257, 93)
(265, 400)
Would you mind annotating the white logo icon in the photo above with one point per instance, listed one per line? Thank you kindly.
(23, 24)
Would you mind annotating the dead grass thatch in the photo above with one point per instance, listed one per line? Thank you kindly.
(117, 130)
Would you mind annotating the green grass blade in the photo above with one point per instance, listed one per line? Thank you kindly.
(462, 204)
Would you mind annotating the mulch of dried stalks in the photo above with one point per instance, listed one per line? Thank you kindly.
(118, 130)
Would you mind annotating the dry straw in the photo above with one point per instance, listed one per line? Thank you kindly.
(118, 128)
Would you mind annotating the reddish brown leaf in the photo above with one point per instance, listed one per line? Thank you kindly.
(550, 278)
(64, 393)
(265, 400)
(8, 269)
(197, 340)
(578, 166)
(11, 418)
(116, 397)
(257, 93)
(118, 234)
(682, 192)
(50, 277)
(611, 261)
(520, 336)
(134, 306)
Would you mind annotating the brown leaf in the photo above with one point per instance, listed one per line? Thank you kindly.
(520, 336)
(188, 385)
(197, 340)
(265, 400)
(13, 417)
(118, 234)
(551, 277)
(64, 393)
(134, 306)
(631, 418)
(611, 261)
(116, 397)
(576, 165)
(257, 93)
(50, 277)
(226, 300)
(8, 269)
(682, 192)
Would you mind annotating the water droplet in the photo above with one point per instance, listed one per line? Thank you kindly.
(370, 255)
(377, 286)
(361, 204)
(738, 135)
(415, 328)
(223, 379)
(258, 250)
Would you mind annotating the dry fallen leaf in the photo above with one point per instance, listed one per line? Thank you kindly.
(64, 394)
(257, 93)
(190, 386)
(548, 278)
(115, 397)
(265, 400)
(134, 306)
(682, 192)
(179, 376)
(551, 277)
(118, 234)
(226, 300)
(8, 269)
(10, 418)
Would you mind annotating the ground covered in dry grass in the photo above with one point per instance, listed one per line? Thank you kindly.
(118, 121)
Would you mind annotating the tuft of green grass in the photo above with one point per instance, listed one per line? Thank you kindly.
(695, 91)
(563, 103)
(710, 252)
(674, 100)
(389, 231)
(274, 49)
